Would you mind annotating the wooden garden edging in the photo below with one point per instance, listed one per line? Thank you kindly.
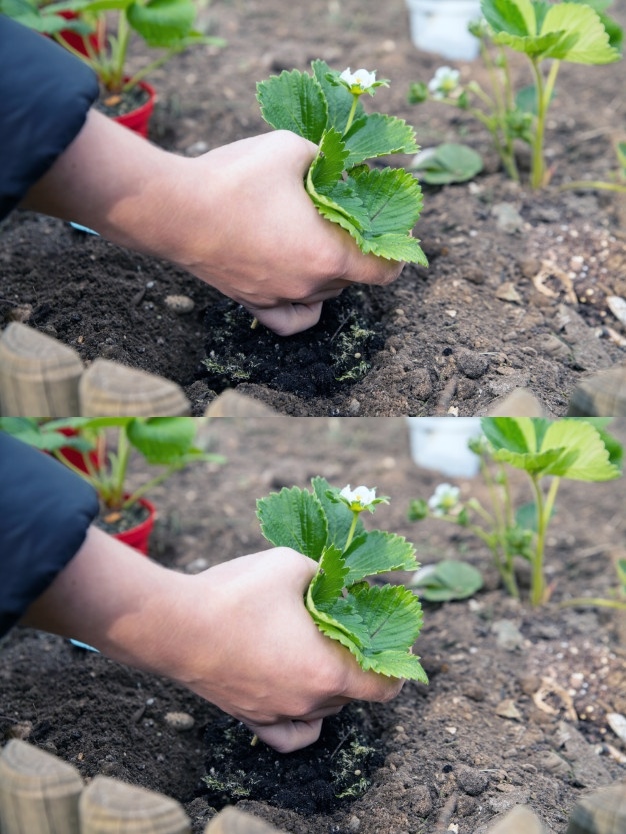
(41, 377)
(40, 794)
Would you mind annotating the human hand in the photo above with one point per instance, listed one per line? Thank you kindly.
(237, 634)
(269, 665)
(288, 258)
(237, 217)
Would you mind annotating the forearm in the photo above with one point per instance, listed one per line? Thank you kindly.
(115, 182)
(121, 603)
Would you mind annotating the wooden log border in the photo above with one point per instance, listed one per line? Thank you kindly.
(41, 794)
(41, 377)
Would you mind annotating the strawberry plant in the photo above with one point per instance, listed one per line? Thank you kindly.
(378, 624)
(378, 207)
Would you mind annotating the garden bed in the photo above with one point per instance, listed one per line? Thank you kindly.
(515, 295)
(515, 712)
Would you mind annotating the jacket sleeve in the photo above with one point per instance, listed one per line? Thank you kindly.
(45, 512)
(45, 95)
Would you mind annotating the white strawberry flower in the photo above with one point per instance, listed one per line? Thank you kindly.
(358, 499)
(444, 82)
(444, 499)
(358, 82)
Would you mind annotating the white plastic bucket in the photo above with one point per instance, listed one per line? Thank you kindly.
(441, 26)
(440, 443)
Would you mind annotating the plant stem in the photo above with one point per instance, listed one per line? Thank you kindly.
(501, 528)
(121, 465)
(544, 512)
(142, 490)
(603, 186)
(355, 518)
(544, 96)
(603, 603)
(120, 49)
(355, 101)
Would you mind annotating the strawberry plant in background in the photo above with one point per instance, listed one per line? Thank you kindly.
(547, 451)
(578, 31)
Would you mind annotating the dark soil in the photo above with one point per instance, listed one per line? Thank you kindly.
(117, 104)
(117, 521)
(517, 704)
(516, 291)
(318, 779)
(317, 363)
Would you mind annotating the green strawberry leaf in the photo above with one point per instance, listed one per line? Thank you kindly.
(515, 17)
(330, 162)
(566, 448)
(294, 101)
(162, 440)
(162, 23)
(338, 98)
(590, 40)
(378, 552)
(378, 135)
(294, 518)
(391, 622)
(592, 461)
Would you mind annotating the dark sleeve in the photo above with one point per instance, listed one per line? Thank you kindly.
(45, 95)
(45, 512)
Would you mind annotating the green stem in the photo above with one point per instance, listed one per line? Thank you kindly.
(602, 603)
(355, 518)
(505, 566)
(544, 96)
(121, 465)
(142, 490)
(508, 503)
(544, 512)
(121, 48)
(603, 186)
(355, 101)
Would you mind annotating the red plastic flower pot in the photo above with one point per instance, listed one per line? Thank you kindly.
(77, 458)
(139, 536)
(76, 41)
(139, 119)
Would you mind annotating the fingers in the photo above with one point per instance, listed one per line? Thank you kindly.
(287, 736)
(374, 270)
(370, 686)
(287, 319)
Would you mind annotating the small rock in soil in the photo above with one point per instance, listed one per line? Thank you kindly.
(180, 304)
(180, 721)
(508, 218)
(508, 635)
(472, 781)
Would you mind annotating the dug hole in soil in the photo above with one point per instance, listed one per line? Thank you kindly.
(515, 711)
(515, 294)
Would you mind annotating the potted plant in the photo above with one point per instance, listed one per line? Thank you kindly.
(167, 26)
(105, 446)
